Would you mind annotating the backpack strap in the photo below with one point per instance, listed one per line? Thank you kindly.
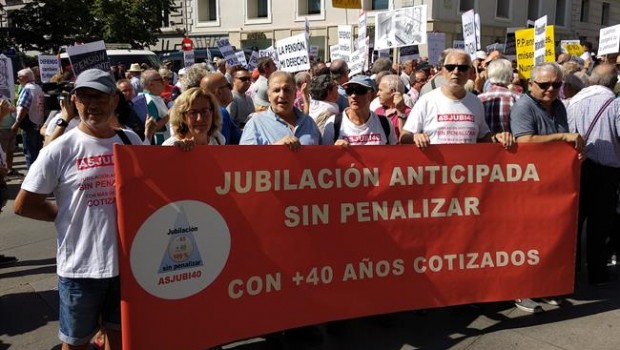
(596, 118)
(385, 124)
(123, 136)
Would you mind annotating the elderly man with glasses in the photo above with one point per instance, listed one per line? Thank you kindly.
(450, 114)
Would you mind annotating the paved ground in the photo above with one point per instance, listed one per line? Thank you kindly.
(589, 319)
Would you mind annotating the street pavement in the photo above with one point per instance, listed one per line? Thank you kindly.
(588, 319)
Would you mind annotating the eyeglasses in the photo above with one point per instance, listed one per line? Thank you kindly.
(461, 67)
(244, 79)
(556, 85)
(356, 89)
(193, 113)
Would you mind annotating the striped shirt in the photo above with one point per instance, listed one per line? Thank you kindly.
(498, 101)
(603, 144)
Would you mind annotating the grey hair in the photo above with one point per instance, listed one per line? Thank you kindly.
(302, 77)
(500, 71)
(146, 76)
(27, 72)
(193, 76)
(393, 82)
(577, 80)
(605, 75)
(457, 52)
(547, 67)
(165, 73)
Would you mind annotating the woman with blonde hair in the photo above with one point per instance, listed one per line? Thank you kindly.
(196, 120)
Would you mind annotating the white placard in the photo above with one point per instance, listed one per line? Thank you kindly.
(86, 56)
(189, 58)
(345, 38)
(363, 25)
(540, 35)
(436, 45)
(253, 60)
(404, 27)
(241, 58)
(609, 40)
(469, 32)
(7, 82)
(458, 44)
(270, 52)
(293, 53)
(477, 23)
(385, 35)
(49, 65)
(333, 52)
(356, 64)
(228, 52)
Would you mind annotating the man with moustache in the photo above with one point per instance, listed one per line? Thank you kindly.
(450, 114)
(87, 254)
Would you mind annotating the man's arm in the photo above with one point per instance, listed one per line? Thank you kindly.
(35, 206)
(563, 136)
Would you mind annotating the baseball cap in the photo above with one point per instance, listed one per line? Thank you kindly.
(362, 80)
(96, 79)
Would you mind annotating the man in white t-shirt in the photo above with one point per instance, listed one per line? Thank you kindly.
(450, 114)
(78, 169)
(358, 125)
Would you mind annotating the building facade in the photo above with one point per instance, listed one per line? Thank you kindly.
(259, 23)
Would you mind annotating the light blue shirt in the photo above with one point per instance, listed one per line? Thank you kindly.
(267, 128)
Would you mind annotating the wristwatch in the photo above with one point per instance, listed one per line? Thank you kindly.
(62, 123)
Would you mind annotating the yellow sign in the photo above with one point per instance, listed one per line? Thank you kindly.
(524, 40)
(572, 47)
(347, 4)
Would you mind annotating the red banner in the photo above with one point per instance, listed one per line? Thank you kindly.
(264, 238)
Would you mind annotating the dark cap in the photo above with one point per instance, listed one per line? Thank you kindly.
(362, 80)
(96, 79)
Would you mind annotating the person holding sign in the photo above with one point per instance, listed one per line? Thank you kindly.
(282, 123)
(196, 119)
(450, 114)
(79, 170)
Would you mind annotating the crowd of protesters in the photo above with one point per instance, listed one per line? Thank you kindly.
(571, 100)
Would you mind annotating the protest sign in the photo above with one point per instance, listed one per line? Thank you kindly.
(404, 27)
(49, 65)
(524, 41)
(333, 52)
(571, 47)
(228, 52)
(609, 40)
(408, 53)
(469, 32)
(314, 51)
(241, 58)
(307, 30)
(510, 47)
(477, 25)
(458, 44)
(270, 52)
(189, 58)
(293, 53)
(347, 4)
(7, 80)
(345, 38)
(540, 36)
(253, 59)
(436, 45)
(279, 239)
(384, 53)
(363, 25)
(86, 56)
(385, 35)
(356, 63)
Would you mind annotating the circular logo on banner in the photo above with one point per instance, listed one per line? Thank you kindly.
(180, 249)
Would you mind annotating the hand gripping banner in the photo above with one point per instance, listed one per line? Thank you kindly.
(224, 243)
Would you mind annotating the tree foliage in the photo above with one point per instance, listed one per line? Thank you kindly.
(46, 25)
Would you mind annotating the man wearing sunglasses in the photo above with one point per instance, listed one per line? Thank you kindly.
(217, 84)
(450, 114)
(540, 116)
(242, 104)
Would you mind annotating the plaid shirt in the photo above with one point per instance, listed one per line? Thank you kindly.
(25, 97)
(497, 102)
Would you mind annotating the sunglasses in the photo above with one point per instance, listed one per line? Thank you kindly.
(356, 89)
(461, 67)
(556, 85)
(244, 78)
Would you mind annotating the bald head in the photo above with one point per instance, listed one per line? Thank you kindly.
(217, 84)
(605, 74)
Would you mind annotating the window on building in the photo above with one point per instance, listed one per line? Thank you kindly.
(605, 14)
(502, 9)
(532, 9)
(379, 4)
(466, 5)
(309, 7)
(560, 12)
(257, 9)
(585, 10)
(207, 10)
